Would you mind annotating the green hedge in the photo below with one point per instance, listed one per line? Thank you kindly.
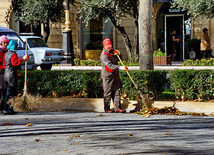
(197, 62)
(193, 84)
(88, 83)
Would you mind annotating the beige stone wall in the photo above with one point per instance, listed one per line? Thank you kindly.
(197, 26)
(197, 29)
(128, 24)
(4, 6)
(56, 35)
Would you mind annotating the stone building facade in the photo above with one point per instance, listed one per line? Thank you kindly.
(87, 39)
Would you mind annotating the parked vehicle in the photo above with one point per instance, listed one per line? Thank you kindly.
(44, 56)
(10, 34)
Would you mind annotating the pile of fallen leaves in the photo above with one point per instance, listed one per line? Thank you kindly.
(168, 111)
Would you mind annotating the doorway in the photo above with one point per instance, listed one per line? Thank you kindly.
(174, 22)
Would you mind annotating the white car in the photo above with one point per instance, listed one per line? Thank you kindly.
(44, 56)
(11, 35)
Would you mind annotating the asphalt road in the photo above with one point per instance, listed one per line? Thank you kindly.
(88, 133)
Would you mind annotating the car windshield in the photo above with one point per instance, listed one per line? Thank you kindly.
(36, 42)
(14, 36)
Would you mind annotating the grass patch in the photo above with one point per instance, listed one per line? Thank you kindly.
(167, 94)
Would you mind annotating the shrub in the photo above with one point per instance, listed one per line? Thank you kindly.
(159, 53)
(193, 84)
(88, 83)
(82, 62)
(77, 61)
(202, 62)
(151, 83)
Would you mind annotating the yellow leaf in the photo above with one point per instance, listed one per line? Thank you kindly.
(99, 115)
(130, 134)
(76, 136)
(171, 124)
(146, 115)
(30, 124)
(117, 139)
(65, 150)
(75, 143)
(19, 95)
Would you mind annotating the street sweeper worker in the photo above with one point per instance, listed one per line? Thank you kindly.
(110, 77)
(11, 61)
(3, 49)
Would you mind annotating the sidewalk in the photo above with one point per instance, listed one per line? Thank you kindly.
(131, 68)
(175, 65)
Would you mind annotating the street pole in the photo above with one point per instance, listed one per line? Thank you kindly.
(145, 35)
(67, 44)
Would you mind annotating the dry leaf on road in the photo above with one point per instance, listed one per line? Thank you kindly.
(7, 124)
(30, 124)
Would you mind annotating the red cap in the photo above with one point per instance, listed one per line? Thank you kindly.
(107, 43)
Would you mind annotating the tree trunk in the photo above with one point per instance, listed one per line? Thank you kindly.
(126, 39)
(136, 41)
(136, 35)
(145, 35)
(46, 32)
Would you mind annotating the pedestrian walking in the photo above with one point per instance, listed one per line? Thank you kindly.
(11, 61)
(3, 49)
(110, 77)
(205, 45)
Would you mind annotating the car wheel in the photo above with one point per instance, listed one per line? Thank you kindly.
(46, 67)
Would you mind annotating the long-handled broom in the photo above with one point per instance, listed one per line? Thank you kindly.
(26, 102)
(144, 100)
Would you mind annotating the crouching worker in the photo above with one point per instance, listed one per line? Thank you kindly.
(110, 77)
(11, 61)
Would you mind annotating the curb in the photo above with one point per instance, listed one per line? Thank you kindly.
(96, 105)
(187, 106)
(84, 104)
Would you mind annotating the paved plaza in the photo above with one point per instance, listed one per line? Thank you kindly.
(90, 133)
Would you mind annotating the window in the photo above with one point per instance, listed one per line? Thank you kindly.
(95, 32)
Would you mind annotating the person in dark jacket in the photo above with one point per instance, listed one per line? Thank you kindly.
(175, 44)
(110, 77)
(11, 61)
(3, 49)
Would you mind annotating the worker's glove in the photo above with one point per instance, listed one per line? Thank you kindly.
(126, 68)
(26, 57)
(115, 52)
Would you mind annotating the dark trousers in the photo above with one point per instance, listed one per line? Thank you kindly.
(2, 97)
(205, 54)
(11, 92)
(115, 96)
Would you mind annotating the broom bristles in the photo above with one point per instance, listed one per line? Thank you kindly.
(25, 103)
